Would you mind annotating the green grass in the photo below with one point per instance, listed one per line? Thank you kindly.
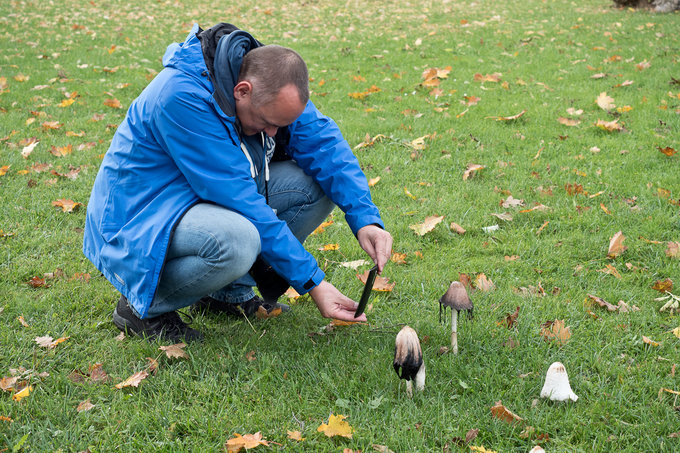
(546, 52)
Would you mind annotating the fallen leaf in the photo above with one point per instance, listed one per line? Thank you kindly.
(555, 330)
(113, 103)
(509, 319)
(295, 435)
(262, 313)
(649, 341)
(134, 380)
(97, 373)
(568, 121)
(382, 448)
(511, 257)
(480, 449)
(46, 341)
(175, 351)
(398, 258)
(610, 126)
(373, 181)
(501, 412)
(409, 194)
(51, 125)
(676, 332)
(18, 396)
(250, 356)
(663, 285)
(511, 202)
(616, 247)
(66, 102)
(673, 250)
(6, 419)
(605, 102)
(506, 216)
(66, 205)
(495, 77)
(353, 264)
(602, 303)
(337, 426)
(380, 284)
(507, 118)
(668, 151)
(428, 225)
(28, 149)
(8, 383)
(611, 270)
(236, 443)
(457, 228)
(574, 112)
(329, 247)
(483, 283)
(472, 170)
(23, 321)
(85, 406)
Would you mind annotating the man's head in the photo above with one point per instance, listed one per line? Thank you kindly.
(272, 89)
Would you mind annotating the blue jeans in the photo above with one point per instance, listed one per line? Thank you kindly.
(213, 248)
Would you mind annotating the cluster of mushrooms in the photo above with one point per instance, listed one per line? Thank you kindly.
(408, 355)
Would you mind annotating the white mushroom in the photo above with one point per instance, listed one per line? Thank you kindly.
(456, 297)
(409, 357)
(556, 385)
(537, 449)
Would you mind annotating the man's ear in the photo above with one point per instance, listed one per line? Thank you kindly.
(243, 89)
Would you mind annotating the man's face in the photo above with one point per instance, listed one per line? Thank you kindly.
(269, 117)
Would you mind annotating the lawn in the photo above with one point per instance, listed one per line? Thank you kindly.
(540, 128)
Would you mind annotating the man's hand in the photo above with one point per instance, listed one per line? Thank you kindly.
(377, 243)
(333, 304)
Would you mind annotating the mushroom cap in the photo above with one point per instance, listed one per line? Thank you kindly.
(456, 297)
(556, 385)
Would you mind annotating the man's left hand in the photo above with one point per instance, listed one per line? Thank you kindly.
(377, 243)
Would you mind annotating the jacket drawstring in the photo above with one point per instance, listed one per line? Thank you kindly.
(253, 170)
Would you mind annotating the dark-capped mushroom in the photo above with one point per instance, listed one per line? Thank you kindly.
(409, 357)
(456, 297)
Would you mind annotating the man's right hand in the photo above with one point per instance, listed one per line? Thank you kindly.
(333, 304)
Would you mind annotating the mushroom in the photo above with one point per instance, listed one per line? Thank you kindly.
(556, 385)
(456, 297)
(409, 357)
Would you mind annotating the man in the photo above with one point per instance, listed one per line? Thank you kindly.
(220, 170)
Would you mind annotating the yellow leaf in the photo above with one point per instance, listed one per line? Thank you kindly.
(295, 435)
(134, 380)
(649, 341)
(428, 225)
(676, 332)
(4, 169)
(236, 443)
(18, 396)
(481, 449)
(321, 228)
(409, 194)
(398, 258)
(66, 205)
(373, 181)
(66, 102)
(337, 426)
(113, 103)
(380, 283)
(329, 247)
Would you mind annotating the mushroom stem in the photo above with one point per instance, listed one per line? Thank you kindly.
(454, 331)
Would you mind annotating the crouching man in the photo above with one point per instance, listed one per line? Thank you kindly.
(219, 171)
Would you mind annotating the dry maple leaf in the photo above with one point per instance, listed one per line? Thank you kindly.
(602, 303)
(236, 443)
(511, 202)
(380, 284)
(472, 170)
(37, 282)
(605, 102)
(506, 216)
(673, 250)
(113, 103)
(373, 181)
(568, 121)
(510, 319)
(18, 396)
(66, 205)
(495, 77)
(321, 228)
(650, 342)
(46, 341)
(611, 270)
(663, 285)
(501, 412)
(329, 247)
(97, 373)
(483, 283)
(85, 406)
(8, 383)
(428, 225)
(555, 330)
(616, 247)
(353, 264)
(262, 313)
(295, 435)
(337, 426)
(610, 126)
(51, 125)
(134, 380)
(175, 351)
(398, 258)
(668, 151)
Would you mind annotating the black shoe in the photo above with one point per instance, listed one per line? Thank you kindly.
(247, 308)
(167, 327)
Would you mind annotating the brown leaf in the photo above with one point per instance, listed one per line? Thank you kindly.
(262, 313)
(668, 151)
(609, 126)
(51, 125)
(673, 250)
(134, 380)
(398, 258)
(510, 319)
(555, 330)
(511, 202)
(250, 356)
(471, 170)
(380, 284)
(61, 151)
(605, 102)
(501, 412)
(663, 285)
(37, 282)
(495, 77)
(506, 216)
(295, 435)
(483, 283)
(616, 247)
(236, 443)
(85, 406)
(46, 341)
(506, 118)
(113, 103)
(457, 228)
(66, 205)
(568, 121)
(611, 270)
(649, 341)
(428, 225)
(97, 373)
(8, 383)
(23, 321)
(176, 350)
(602, 303)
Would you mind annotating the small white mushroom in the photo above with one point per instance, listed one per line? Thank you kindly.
(537, 449)
(456, 297)
(556, 385)
(409, 357)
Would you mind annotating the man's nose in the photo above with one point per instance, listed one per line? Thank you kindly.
(271, 131)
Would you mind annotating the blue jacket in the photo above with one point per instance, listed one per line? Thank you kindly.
(176, 147)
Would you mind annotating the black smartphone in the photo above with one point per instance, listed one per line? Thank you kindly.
(367, 291)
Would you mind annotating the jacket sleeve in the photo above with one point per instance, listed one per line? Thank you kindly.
(191, 131)
(318, 146)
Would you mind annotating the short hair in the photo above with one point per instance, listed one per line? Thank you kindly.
(271, 68)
